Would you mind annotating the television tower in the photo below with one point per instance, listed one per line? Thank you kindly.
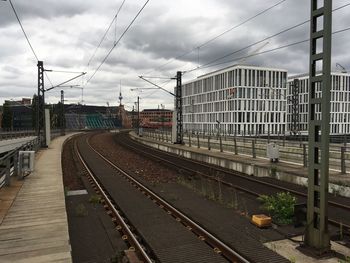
(120, 94)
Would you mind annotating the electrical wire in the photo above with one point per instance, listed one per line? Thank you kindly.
(27, 38)
(266, 51)
(117, 42)
(220, 35)
(24, 32)
(105, 34)
(258, 42)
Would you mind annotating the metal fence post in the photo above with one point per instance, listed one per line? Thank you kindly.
(253, 149)
(284, 139)
(235, 145)
(304, 155)
(15, 164)
(221, 149)
(342, 161)
(198, 145)
(209, 143)
(189, 140)
(8, 172)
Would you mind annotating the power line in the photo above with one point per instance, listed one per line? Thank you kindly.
(221, 34)
(105, 34)
(117, 42)
(260, 41)
(24, 32)
(266, 51)
(27, 38)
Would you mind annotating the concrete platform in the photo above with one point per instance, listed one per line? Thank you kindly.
(35, 227)
(260, 167)
(9, 145)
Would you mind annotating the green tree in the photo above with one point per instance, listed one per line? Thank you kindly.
(7, 116)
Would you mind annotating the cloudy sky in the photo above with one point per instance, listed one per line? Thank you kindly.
(65, 34)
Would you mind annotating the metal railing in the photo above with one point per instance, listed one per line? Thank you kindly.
(294, 151)
(14, 134)
(9, 162)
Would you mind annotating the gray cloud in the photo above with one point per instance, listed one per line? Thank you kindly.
(65, 34)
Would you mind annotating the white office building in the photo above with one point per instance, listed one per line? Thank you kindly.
(340, 103)
(239, 99)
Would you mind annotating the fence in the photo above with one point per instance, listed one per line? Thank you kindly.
(6, 135)
(9, 162)
(295, 151)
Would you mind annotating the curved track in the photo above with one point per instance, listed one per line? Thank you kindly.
(339, 207)
(158, 231)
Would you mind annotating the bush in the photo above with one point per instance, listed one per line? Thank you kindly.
(280, 206)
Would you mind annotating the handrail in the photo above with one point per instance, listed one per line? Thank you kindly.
(9, 161)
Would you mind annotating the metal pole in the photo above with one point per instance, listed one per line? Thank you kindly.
(304, 155)
(138, 115)
(316, 234)
(253, 149)
(178, 103)
(62, 114)
(221, 149)
(342, 157)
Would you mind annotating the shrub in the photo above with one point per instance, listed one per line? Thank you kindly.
(280, 206)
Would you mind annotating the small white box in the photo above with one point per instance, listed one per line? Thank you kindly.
(273, 152)
(26, 161)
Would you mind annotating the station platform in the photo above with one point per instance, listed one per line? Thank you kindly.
(33, 219)
(9, 145)
(260, 167)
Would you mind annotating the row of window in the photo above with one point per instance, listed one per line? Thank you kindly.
(242, 105)
(236, 117)
(234, 78)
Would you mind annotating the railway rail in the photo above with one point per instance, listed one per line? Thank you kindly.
(123, 224)
(339, 207)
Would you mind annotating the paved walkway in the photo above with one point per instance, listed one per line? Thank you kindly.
(294, 169)
(35, 227)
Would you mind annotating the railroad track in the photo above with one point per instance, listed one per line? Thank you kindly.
(339, 211)
(136, 242)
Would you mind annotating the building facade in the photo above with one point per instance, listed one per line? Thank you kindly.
(156, 118)
(236, 100)
(340, 103)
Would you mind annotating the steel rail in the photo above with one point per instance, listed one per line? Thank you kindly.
(235, 173)
(148, 154)
(133, 240)
(226, 251)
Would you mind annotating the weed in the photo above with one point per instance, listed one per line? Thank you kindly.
(66, 190)
(81, 210)
(118, 258)
(281, 206)
(94, 199)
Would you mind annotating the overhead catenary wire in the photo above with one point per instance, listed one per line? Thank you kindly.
(27, 38)
(258, 42)
(266, 51)
(117, 42)
(105, 34)
(24, 32)
(220, 35)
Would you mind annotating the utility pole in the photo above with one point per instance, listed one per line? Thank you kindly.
(40, 106)
(138, 115)
(295, 107)
(316, 234)
(178, 106)
(63, 121)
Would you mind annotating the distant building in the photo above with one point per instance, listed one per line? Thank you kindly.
(156, 118)
(236, 100)
(340, 103)
(22, 114)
